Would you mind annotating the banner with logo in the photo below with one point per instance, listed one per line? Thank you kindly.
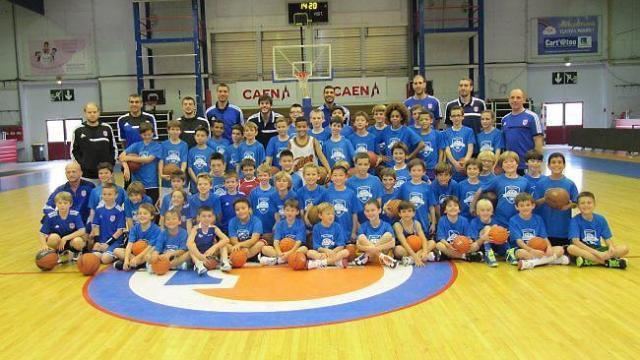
(58, 57)
(568, 35)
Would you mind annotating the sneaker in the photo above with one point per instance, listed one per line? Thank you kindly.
(65, 257)
(225, 267)
(118, 265)
(490, 258)
(199, 268)
(75, 256)
(525, 265)
(316, 264)
(407, 261)
(183, 266)
(511, 257)
(282, 260)
(388, 261)
(431, 257)
(149, 269)
(266, 260)
(361, 260)
(437, 255)
(342, 264)
(616, 263)
(562, 260)
(475, 256)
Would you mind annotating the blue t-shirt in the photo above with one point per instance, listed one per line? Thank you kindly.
(228, 211)
(401, 134)
(174, 153)
(374, 234)
(590, 232)
(366, 189)
(195, 203)
(466, 192)
(253, 151)
(80, 198)
(432, 145)
(232, 157)
(321, 136)
(131, 209)
(476, 225)
(365, 143)
(244, 230)
(441, 192)
(199, 162)
(328, 237)
(263, 207)
(341, 150)
(230, 114)
(308, 197)
(167, 242)
(296, 181)
(278, 202)
(95, 198)
(54, 224)
(217, 186)
(485, 179)
(421, 196)
(109, 220)
(519, 131)
(297, 231)
(218, 145)
(345, 204)
(274, 148)
(402, 176)
(148, 173)
(525, 230)
(556, 221)
(533, 183)
(489, 141)
(506, 190)
(458, 141)
(429, 103)
(151, 234)
(379, 138)
(447, 230)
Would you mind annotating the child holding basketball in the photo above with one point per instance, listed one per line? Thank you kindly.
(420, 195)
(146, 152)
(63, 229)
(337, 147)
(479, 232)
(172, 243)
(452, 225)
(329, 240)
(375, 237)
(362, 140)
(587, 230)
(206, 241)
(525, 226)
(408, 226)
(261, 205)
(136, 196)
(310, 194)
(144, 230)
(199, 159)
(292, 227)
(245, 230)
(108, 225)
(175, 152)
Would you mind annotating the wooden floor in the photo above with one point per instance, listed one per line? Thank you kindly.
(487, 313)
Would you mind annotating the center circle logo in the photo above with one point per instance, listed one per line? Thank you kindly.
(265, 297)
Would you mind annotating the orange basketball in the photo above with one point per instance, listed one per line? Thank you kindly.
(323, 175)
(211, 263)
(298, 261)
(138, 247)
(134, 166)
(352, 252)
(88, 264)
(170, 168)
(238, 258)
(498, 234)
(46, 259)
(313, 215)
(537, 243)
(373, 158)
(393, 208)
(462, 244)
(287, 244)
(161, 266)
(414, 242)
(556, 197)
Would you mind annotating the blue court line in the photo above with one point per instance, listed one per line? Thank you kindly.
(615, 167)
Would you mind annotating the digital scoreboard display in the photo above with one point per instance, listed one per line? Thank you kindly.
(317, 11)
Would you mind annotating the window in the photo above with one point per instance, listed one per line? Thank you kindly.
(563, 114)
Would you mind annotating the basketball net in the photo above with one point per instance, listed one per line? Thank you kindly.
(303, 82)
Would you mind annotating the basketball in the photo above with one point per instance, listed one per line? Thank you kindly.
(537, 243)
(392, 208)
(556, 197)
(323, 175)
(414, 242)
(134, 166)
(138, 247)
(88, 264)
(312, 214)
(373, 158)
(298, 261)
(287, 244)
(352, 252)
(238, 258)
(211, 263)
(462, 244)
(498, 235)
(46, 259)
(161, 266)
(169, 169)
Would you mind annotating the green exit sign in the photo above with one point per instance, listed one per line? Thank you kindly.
(58, 95)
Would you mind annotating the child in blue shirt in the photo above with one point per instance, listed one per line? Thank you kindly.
(488, 161)
(406, 227)
(146, 152)
(489, 138)
(108, 226)
(479, 231)
(468, 188)
(217, 142)
(317, 131)
(534, 158)
(252, 148)
(286, 164)
(172, 243)
(420, 195)
(261, 205)
(245, 230)
(174, 151)
(199, 158)
(204, 197)
(362, 140)
(399, 151)
(587, 230)
(433, 152)
(389, 190)
(227, 200)
(459, 143)
(180, 203)
(135, 197)
(217, 175)
(290, 227)
(451, 226)
(398, 132)
(375, 237)
(62, 229)
(232, 155)
(144, 230)
(329, 240)
(337, 147)
(344, 202)
(444, 185)
(380, 123)
(207, 241)
(310, 194)
(282, 193)
(279, 143)
(365, 186)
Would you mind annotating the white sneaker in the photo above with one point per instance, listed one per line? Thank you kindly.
(65, 257)
(562, 260)
(281, 260)
(225, 267)
(199, 268)
(316, 264)
(149, 268)
(388, 261)
(525, 265)
(431, 257)
(407, 261)
(266, 260)
(361, 260)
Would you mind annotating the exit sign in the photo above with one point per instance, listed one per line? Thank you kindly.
(59, 95)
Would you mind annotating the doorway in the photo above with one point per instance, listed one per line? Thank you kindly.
(59, 137)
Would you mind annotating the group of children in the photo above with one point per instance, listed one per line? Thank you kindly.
(222, 197)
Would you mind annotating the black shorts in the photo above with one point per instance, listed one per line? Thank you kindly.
(557, 241)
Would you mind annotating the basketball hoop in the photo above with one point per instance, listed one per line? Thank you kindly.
(303, 82)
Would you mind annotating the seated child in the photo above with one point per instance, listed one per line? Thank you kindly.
(479, 228)
(290, 226)
(245, 230)
(408, 226)
(207, 241)
(452, 225)
(144, 230)
(329, 240)
(63, 229)
(180, 203)
(375, 237)
(172, 244)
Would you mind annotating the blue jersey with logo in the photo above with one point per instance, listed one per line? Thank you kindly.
(441, 192)
(205, 237)
(345, 204)
(374, 234)
(263, 207)
(466, 192)
(322, 136)
(131, 208)
(80, 198)
(401, 134)
(556, 221)
(363, 143)
(421, 196)
(109, 220)
(485, 179)
(217, 186)
(274, 148)
(148, 173)
(195, 203)
(506, 190)
(55, 224)
(169, 242)
(489, 141)
(308, 197)
(366, 189)
(458, 141)
(219, 145)
(228, 211)
(95, 198)
(402, 176)
(476, 225)
(329, 237)
(379, 137)
(519, 131)
(174, 153)
(296, 231)
(232, 157)
(253, 151)
(448, 230)
(525, 230)
(341, 150)
(244, 230)
(590, 232)
(151, 234)
(428, 103)
(279, 201)
(432, 145)
(199, 162)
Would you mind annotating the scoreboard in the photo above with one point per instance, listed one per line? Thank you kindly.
(317, 11)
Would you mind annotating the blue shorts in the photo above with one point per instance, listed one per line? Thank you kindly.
(204, 246)
(115, 245)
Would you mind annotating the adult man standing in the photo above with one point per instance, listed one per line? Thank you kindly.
(420, 97)
(80, 190)
(128, 124)
(472, 106)
(265, 119)
(222, 109)
(189, 121)
(329, 94)
(93, 143)
(521, 128)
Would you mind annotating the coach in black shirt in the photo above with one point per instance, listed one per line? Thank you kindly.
(189, 121)
(265, 119)
(93, 143)
(472, 106)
